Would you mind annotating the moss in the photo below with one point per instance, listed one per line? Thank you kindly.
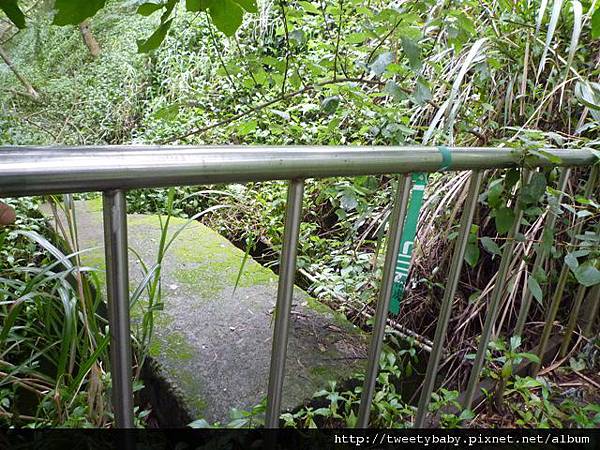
(209, 263)
(173, 351)
(323, 374)
(192, 391)
(173, 347)
(338, 317)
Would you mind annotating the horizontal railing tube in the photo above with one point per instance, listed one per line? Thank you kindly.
(50, 170)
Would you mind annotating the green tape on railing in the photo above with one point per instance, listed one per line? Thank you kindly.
(446, 157)
(407, 240)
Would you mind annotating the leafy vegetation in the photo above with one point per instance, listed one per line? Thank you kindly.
(515, 74)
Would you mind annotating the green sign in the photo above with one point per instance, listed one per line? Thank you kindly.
(409, 232)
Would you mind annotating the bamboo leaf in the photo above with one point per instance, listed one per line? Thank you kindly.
(466, 65)
(540, 17)
(556, 7)
(577, 21)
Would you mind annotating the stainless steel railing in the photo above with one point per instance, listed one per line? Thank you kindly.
(115, 169)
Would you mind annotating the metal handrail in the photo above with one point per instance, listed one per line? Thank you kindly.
(115, 169)
(47, 170)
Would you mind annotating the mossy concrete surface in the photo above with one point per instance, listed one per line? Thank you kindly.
(211, 346)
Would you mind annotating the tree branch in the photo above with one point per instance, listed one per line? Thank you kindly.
(269, 103)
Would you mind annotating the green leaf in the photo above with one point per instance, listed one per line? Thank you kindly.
(495, 193)
(199, 423)
(472, 254)
(571, 261)
(246, 127)
(527, 382)
(168, 113)
(587, 275)
(515, 342)
(422, 93)
(357, 38)
(534, 288)
(226, 15)
(547, 155)
(309, 7)
(330, 104)
(596, 24)
(13, 12)
(533, 190)
(506, 370)
(146, 9)
(577, 364)
(154, 41)
(381, 62)
(540, 275)
(248, 5)
(325, 412)
(351, 419)
(196, 5)
(547, 240)
(531, 357)
(511, 178)
(413, 53)
(505, 217)
(73, 12)
(588, 93)
(466, 414)
(490, 245)
(392, 88)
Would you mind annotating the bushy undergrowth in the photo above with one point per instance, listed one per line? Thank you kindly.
(83, 101)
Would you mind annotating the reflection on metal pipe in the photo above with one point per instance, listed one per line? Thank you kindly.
(493, 307)
(540, 258)
(287, 271)
(562, 281)
(446, 309)
(117, 288)
(31, 171)
(396, 223)
(592, 311)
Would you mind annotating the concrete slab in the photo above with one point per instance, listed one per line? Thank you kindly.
(211, 346)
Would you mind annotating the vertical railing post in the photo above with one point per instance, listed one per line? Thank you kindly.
(562, 282)
(446, 308)
(593, 306)
(541, 255)
(564, 347)
(494, 305)
(117, 288)
(285, 291)
(396, 223)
